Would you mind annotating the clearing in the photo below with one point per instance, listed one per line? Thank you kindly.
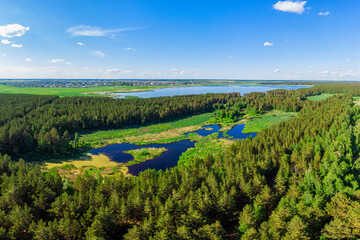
(320, 97)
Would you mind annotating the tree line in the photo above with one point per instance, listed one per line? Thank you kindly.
(46, 124)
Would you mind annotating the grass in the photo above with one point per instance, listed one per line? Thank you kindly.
(97, 165)
(266, 120)
(159, 133)
(144, 154)
(356, 101)
(204, 146)
(87, 160)
(104, 91)
(320, 97)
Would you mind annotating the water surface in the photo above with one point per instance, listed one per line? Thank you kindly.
(169, 158)
(173, 91)
(236, 132)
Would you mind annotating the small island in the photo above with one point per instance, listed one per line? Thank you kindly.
(144, 154)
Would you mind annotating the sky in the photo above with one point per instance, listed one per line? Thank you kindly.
(180, 39)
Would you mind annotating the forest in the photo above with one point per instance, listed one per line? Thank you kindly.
(296, 180)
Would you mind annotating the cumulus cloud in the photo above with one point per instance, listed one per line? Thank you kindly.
(28, 60)
(290, 6)
(13, 30)
(69, 63)
(17, 45)
(92, 31)
(98, 54)
(80, 43)
(268, 44)
(276, 70)
(6, 41)
(130, 49)
(324, 13)
(56, 60)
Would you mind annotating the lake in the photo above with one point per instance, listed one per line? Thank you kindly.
(173, 91)
(234, 133)
(169, 158)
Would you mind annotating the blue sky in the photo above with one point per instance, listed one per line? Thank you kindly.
(169, 39)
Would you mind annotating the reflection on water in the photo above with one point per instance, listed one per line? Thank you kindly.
(168, 159)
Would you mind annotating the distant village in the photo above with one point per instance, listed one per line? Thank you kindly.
(90, 83)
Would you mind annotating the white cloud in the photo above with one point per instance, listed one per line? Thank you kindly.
(342, 74)
(13, 30)
(276, 70)
(6, 41)
(348, 60)
(28, 60)
(17, 45)
(324, 13)
(80, 43)
(91, 31)
(176, 72)
(116, 70)
(147, 72)
(290, 6)
(4, 54)
(98, 54)
(325, 73)
(56, 60)
(268, 44)
(130, 49)
(69, 63)
(349, 73)
(231, 57)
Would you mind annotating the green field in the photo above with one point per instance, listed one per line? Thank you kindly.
(320, 97)
(160, 133)
(67, 92)
(266, 120)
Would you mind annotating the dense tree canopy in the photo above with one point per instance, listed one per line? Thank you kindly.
(296, 180)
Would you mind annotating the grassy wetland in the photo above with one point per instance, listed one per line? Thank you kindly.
(143, 154)
(162, 133)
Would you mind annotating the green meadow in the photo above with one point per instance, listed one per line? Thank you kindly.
(320, 97)
(266, 120)
(144, 154)
(140, 135)
(204, 146)
(68, 92)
